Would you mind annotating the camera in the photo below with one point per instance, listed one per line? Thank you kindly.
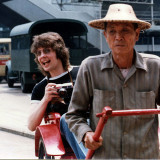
(65, 92)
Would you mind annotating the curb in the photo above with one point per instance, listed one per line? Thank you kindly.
(17, 132)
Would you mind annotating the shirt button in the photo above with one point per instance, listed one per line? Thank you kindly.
(125, 85)
(124, 156)
(124, 133)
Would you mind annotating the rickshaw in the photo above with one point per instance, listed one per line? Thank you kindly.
(50, 145)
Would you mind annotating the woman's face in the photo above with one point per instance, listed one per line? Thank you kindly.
(48, 59)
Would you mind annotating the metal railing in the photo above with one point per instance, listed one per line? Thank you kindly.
(131, 1)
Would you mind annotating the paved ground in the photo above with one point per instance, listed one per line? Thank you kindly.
(13, 146)
(14, 109)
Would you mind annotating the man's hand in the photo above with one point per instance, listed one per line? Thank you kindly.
(90, 143)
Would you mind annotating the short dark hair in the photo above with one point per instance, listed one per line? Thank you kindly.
(54, 41)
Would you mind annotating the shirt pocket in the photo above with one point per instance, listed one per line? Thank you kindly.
(145, 100)
(102, 98)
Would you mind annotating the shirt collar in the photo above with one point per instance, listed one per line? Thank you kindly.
(61, 75)
(139, 61)
(107, 61)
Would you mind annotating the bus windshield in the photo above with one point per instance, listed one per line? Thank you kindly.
(5, 46)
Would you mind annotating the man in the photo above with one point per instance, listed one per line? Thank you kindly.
(52, 58)
(121, 79)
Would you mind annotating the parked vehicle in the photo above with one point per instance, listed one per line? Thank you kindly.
(22, 66)
(149, 41)
(5, 55)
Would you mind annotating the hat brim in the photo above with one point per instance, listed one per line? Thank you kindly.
(99, 23)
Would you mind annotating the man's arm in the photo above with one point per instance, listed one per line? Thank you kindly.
(80, 102)
(76, 115)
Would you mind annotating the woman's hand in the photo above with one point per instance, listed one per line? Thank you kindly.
(51, 93)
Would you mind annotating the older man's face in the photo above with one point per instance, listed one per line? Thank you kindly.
(121, 37)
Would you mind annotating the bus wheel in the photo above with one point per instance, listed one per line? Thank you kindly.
(1, 79)
(10, 81)
(42, 152)
(24, 87)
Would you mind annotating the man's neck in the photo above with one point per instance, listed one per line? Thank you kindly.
(123, 62)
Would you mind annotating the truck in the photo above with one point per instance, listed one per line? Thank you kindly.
(22, 67)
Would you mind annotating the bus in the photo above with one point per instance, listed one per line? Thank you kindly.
(149, 41)
(5, 55)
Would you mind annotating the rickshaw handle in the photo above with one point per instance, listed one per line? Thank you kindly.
(108, 112)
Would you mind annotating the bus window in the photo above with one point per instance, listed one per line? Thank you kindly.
(5, 54)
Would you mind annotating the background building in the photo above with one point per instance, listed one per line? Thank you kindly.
(15, 12)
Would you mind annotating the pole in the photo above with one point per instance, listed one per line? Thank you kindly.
(108, 112)
(100, 32)
(152, 22)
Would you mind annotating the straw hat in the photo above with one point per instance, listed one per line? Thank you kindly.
(119, 13)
